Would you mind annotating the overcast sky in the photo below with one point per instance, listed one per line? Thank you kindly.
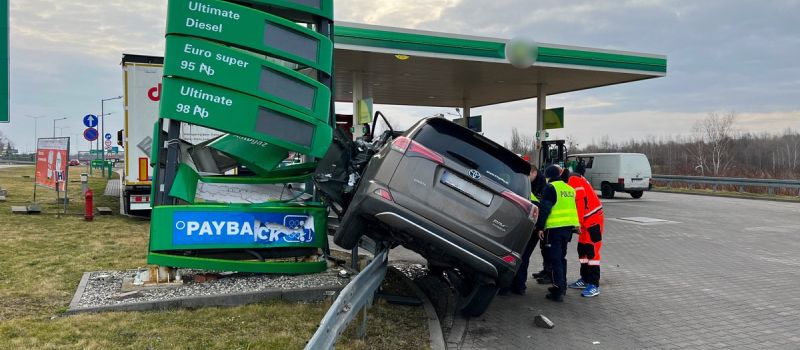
(723, 55)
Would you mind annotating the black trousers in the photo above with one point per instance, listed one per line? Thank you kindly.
(518, 283)
(558, 239)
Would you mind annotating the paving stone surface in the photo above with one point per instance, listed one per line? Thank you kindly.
(722, 275)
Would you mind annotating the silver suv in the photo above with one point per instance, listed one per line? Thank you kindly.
(455, 197)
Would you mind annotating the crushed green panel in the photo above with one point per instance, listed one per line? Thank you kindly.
(303, 169)
(285, 268)
(238, 226)
(185, 185)
(251, 29)
(419, 42)
(238, 70)
(258, 156)
(601, 59)
(236, 113)
(322, 8)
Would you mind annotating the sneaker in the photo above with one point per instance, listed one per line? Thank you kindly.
(590, 291)
(579, 284)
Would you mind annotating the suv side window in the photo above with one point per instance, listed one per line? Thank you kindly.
(475, 151)
(589, 161)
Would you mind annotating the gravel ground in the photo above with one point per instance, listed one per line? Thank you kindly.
(103, 287)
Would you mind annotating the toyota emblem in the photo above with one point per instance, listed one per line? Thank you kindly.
(475, 174)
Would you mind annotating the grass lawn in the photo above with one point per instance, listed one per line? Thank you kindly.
(43, 258)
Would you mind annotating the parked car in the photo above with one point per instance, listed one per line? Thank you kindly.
(616, 172)
(74, 162)
(455, 197)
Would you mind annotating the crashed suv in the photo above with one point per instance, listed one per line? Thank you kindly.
(455, 197)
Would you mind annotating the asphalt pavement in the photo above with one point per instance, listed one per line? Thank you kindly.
(687, 272)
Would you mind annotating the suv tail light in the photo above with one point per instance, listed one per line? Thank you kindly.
(510, 259)
(621, 182)
(384, 193)
(403, 144)
(531, 210)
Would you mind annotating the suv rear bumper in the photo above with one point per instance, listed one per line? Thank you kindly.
(424, 231)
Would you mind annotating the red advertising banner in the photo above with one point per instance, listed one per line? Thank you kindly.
(52, 160)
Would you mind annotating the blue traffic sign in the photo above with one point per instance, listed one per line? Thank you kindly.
(107, 136)
(90, 121)
(90, 134)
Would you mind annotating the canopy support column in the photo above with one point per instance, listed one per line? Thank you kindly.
(358, 95)
(541, 105)
(466, 114)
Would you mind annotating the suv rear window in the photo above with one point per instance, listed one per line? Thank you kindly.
(476, 151)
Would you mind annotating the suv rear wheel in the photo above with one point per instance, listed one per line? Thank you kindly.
(480, 299)
(636, 194)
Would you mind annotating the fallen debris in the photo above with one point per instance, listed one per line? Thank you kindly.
(542, 321)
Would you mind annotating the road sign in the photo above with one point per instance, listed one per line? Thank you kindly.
(211, 106)
(554, 118)
(90, 120)
(90, 134)
(96, 151)
(107, 144)
(252, 29)
(5, 113)
(244, 72)
(108, 136)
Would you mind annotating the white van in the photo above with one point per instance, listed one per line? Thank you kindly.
(616, 172)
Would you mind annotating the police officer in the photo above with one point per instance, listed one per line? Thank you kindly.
(558, 219)
(518, 284)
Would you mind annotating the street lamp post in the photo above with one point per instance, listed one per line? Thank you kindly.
(102, 122)
(35, 129)
(54, 124)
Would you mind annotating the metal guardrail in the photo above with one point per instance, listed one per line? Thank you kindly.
(770, 184)
(354, 297)
(16, 162)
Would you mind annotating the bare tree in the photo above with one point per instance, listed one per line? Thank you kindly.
(713, 139)
(520, 143)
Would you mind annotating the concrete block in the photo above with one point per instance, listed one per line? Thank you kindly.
(127, 295)
(34, 209)
(104, 211)
(543, 322)
(19, 209)
(2, 198)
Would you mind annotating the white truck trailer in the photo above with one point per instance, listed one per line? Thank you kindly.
(142, 79)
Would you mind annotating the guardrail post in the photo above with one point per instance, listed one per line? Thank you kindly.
(771, 190)
(714, 188)
(741, 189)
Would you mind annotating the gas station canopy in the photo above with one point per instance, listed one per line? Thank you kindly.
(410, 67)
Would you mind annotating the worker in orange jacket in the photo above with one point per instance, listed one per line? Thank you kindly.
(590, 239)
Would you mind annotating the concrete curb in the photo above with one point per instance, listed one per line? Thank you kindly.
(300, 294)
(434, 326)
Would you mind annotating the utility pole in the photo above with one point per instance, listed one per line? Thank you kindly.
(35, 129)
(54, 124)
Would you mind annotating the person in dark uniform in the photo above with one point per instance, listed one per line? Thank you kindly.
(518, 284)
(558, 220)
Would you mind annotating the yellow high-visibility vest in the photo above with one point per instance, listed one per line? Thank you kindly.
(564, 212)
(534, 199)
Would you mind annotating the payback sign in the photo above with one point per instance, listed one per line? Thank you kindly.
(52, 158)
